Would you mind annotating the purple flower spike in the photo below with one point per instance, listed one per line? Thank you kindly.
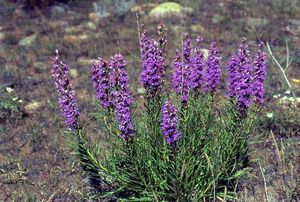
(181, 70)
(259, 75)
(213, 71)
(197, 67)
(233, 76)
(169, 124)
(153, 65)
(186, 48)
(121, 96)
(179, 80)
(67, 100)
(123, 116)
(119, 77)
(100, 78)
(244, 90)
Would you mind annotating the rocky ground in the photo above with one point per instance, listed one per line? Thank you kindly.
(35, 162)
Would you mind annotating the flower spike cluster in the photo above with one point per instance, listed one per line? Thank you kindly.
(197, 68)
(244, 83)
(259, 75)
(100, 78)
(123, 116)
(169, 124)
(181, 70)
(233, 76)
(121, 96)
(244, 90)
(213, 71)
(67, 100)
(153, 65)
(110, 79)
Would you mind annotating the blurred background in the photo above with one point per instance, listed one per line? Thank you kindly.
(35, 162)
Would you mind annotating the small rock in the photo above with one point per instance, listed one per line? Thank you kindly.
(91, 26)
(83, 37)
(73, 39)
(40, 67)
(34, 105)
(2, 36)
(27, 41)
(252, 23)
(197, 28)
(93, 17)
(167, 9)
(81, 28)
(217, 18)
(73, 73)
(59, 10)
(85, 61)
(58, 24)
(9, 89)
(73, 29)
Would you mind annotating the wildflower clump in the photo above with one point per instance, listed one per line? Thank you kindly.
(181, 145)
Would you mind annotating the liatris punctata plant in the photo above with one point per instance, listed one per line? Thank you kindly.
(100, 77)
(169, 124)
(213, 70)
(67, 100)
(181, 69)
(196, 153)
(197, 70)
(259, 75)
(153, 63)
(244, 89)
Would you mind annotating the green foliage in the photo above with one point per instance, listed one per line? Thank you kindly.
(7, 103)
(205, 165)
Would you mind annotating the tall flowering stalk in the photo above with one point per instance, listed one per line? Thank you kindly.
(259, 75)
(169, 124)
(197, 68)
(213, 71)
(244, 90)
(67, 100)
(123, 116)
(121, 96)
(181, 70)
(153, 65)
(234, 75)
(100, 77)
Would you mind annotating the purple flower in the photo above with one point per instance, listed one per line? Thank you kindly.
(259, 71)
(197, 67)
(153, 65)
(179, 80)
(119, 77)
(123, 116)
(100, 78)
(121, 96)
(181, 70)
(233, 76)
(186, 48)
(67, 100)
(213, 71)
(169, 124)
(244, 90)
